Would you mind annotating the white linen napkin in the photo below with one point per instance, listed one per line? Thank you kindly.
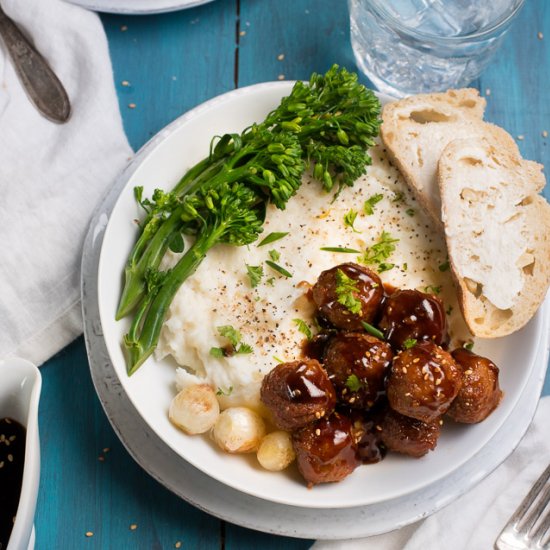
(52, 176)
(473, 521)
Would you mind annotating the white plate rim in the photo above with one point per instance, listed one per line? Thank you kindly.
(145, 7)
(126, 176)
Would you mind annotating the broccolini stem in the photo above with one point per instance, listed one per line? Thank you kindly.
(156, 305)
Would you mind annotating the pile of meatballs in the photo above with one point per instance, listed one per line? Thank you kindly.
(352, 396)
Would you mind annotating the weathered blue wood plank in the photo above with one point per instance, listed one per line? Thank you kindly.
(166, 64)
(89, 483)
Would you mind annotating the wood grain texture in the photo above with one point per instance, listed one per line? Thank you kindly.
(165, 65)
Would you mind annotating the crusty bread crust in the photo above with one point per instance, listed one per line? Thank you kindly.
(497, 230)
(415, 130)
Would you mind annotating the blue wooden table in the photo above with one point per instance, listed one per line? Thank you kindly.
(163, 66)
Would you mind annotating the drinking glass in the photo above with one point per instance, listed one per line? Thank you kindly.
(415, 46)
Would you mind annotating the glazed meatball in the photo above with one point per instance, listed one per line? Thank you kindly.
(356, 364)
(366, 430)
(423, 382)
(348, 294)
(480, 392)
(297, 393)
(413, 315)
(326, 450)
(409, 436)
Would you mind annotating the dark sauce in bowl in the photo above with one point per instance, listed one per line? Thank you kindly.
(12, 459)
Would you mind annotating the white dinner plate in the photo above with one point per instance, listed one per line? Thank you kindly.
(160, 164)
(137, 7)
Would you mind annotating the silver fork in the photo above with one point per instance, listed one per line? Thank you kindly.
(526, 529)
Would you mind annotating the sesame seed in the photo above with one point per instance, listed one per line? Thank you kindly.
(544, 133)
(242, 33)
(488, 91)
(281, 56)
(317, 431)
(469, 371)
(125, 83)
(89, 534)
(106, 449)
(10, 458)
(540, 36)
(521, 137)
(131, 105)
(124, 28)
(101, 458)
(133, 527)
(178, 544)
(2, 464)
(281, 77)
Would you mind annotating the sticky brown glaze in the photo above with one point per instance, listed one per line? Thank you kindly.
(408, 436)
(370, 293)
(480, 393)
(297, 393)
(411, 314)
(357, 364)
(423, 382)
(370, 448)
(326, 450)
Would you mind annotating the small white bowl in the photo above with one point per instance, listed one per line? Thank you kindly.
(19, 396)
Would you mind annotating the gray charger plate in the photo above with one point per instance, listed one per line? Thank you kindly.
(207, 494)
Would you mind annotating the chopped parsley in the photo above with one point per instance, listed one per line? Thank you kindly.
(410, 212)
(255, 274)
(373, 331)
(346, 292)
(278, 268)
(227, 392)
(379, 252)
(303, 327)
(469, 346)
(409, 343)
(270, 281)
(234, 337)
(444, 266)
(274, 255)
(432, 289)
(368, 207)
(349, 219)
(449, 310)
(271, 238)
(399, 196)
(353, 383)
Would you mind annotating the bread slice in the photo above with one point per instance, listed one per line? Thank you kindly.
(497, 230)
(415, 131)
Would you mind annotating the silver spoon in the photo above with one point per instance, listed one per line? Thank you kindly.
(39, 81)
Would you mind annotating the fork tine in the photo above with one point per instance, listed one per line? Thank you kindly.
(530, 498)
(542, 530)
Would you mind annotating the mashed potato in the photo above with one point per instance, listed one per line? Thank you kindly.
(220, 292)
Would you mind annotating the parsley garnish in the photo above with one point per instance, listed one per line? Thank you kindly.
(225, 392)
(432, 289)
(353, 382)
(409, 343)
(346, 290)
(368, 207)
(444, 266)
(399, 196)
(373, 331)
(278, 268)
(379, 252)
(217, 352)
(234, 337)
(340, 249)
(271, 238)
(274, 255)
(270, 281)
(469, 346)
(349, 219)
(449, 310)
(410, 212)
(255, 274)
(303, 327)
